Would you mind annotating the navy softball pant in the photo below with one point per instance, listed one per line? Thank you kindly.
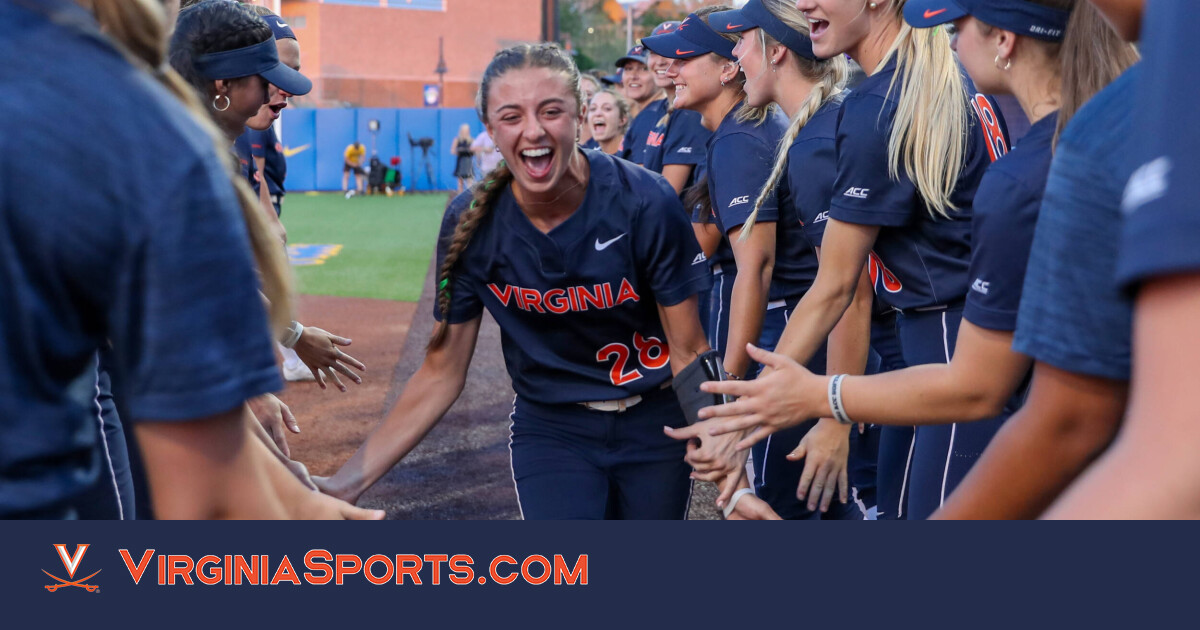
(895, 442)
(777, 478)
(571, 462)
(941, 454)
(112, 496)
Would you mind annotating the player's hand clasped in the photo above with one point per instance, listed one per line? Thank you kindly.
(319, 351)
(782, 398)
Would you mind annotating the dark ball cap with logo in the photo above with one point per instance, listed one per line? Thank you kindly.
(1019, 16)
(692, 39)
(755, 15)
(637, 53)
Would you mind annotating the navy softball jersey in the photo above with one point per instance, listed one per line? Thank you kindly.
(577, 307)
(739, 161)
(919, 261)
(152, 254)
(634, 146)
(811, 170)
(1159, 236)
(682, 140)
(265, 145)
(1072, 314)
(245, 158)
(1006, 211)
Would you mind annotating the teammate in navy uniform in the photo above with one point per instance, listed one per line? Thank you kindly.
(1151, 469)
(586, 264)
(907, 195)
(134, 265)
(675, 147)
(266, 152)
(985, 376)
(775, 261)
(647, 98)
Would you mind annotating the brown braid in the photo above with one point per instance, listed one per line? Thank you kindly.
(485, 193)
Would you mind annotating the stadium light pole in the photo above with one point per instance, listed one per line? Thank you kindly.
(441, 72)
(628, 6)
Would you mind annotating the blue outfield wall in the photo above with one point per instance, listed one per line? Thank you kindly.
(314, 141)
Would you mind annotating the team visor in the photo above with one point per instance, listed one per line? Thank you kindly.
(755, 15)
(261, 59)
(692, 39)
(1019, 16)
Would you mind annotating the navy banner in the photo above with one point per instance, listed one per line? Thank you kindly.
(517, 574)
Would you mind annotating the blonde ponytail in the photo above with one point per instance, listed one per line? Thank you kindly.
(137, 29)
(929, 133)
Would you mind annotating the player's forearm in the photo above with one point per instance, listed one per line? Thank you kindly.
(747, 309)
(1038, 452)
(208, 469)
(814, 318)
(850, 339)
(677, 175)
(425, 399)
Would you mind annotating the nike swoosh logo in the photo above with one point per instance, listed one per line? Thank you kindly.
(683, 52)
(282, 24)
(289, 152)
(730, 27)
(930, 14)
(603, 246)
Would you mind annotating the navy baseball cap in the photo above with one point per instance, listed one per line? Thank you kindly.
(281, 29)
(692, 39)
(755, 15)
(666, 27)
(1019, 16)
(637, 53)
(612, 79)
(261, 59)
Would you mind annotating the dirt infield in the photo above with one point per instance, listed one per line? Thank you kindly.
(461, 470)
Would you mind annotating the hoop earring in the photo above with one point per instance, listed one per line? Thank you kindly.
(1007, 63)
(227, 102)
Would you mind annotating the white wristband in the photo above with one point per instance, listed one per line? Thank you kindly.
(292, 335)
(836, 408)
(734, 499)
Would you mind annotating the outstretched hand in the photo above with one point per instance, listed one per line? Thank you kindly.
(274, 415)
(785, 396)
(319, 351)
(824, 449)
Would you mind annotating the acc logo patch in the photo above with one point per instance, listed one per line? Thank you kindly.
(71, 564)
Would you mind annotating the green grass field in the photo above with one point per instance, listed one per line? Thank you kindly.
(387, 243)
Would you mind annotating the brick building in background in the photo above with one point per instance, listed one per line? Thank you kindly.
(381, 53)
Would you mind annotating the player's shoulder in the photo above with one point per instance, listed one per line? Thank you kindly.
(627, 186)
(458, 205)
(823, 124)
(1096, 125)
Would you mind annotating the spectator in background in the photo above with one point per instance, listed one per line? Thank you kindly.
(589, 85)
(354, 160)
(485, 149)
(464, 172)
(607, 119)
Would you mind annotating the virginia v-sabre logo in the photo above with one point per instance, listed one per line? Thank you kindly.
(71, 563)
